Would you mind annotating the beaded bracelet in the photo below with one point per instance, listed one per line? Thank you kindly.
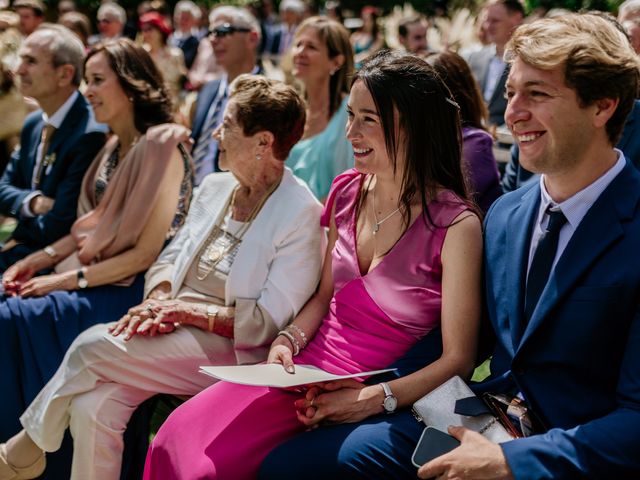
(300, 332)
(292, 339)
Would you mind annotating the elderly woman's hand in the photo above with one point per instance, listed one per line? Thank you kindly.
(130, 323)
(340, 401)
(281, 352)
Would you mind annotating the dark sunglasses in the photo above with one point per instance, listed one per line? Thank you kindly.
(226, 29)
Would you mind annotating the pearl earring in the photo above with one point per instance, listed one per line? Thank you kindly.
(258, 157)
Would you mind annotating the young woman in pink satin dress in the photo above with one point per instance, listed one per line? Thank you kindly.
(404, 257)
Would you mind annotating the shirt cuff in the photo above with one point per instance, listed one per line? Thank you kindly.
(25, 211)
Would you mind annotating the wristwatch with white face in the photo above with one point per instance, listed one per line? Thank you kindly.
(82, 281)
(390, 402)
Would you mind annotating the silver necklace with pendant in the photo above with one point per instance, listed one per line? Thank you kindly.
(377, 222)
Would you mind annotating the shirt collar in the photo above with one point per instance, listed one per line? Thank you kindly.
(576, 207)
(57, 118)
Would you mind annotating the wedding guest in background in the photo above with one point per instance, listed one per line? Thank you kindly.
(246, 260)
(111, 21)
(31, 13)
(501, 18)
(41, 184)
(403, 259)
(477, 144)
(280, 37)
(169, 60)
(134, 197)
(412, 34)
(186, 36)
(79, 24)
(323, 62)
(66, 6)
(369, 38)
(234, 36)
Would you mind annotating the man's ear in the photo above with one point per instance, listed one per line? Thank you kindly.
(253, 39)
(65, 74)
(605, 108)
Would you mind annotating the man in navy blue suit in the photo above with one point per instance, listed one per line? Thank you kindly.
(568, 341)
(235, 36)
(41, 184)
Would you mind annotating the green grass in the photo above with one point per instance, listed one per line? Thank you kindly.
(482, 371)
(6, 229)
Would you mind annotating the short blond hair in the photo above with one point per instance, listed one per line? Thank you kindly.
(597, 57)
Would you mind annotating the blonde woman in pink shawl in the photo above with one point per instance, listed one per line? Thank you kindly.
(134, 197)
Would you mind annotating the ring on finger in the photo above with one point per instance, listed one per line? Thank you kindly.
(313, 401)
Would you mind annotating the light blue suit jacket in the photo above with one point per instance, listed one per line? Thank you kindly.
(578, 361)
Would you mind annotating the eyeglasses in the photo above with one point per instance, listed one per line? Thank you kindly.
(104, 20)
(226, 29)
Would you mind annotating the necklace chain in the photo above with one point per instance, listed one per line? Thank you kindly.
(377, 222)
(217, 256)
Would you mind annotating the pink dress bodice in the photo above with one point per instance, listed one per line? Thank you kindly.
(375, 318)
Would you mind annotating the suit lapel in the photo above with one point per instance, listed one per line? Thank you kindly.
(598, 230)
(519, 228)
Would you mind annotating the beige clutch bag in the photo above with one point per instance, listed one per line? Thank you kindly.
(437, 409)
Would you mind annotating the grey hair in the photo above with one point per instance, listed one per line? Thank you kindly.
(65, 48)
(113, 11)
(187, 6)
(238, 16)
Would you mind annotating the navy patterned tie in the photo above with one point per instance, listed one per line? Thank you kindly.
(543, 261)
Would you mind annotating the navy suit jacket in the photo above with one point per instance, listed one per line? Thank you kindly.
(578, 361)
(75, 145)
(479, 64)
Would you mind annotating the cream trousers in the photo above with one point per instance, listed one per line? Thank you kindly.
(103, 379)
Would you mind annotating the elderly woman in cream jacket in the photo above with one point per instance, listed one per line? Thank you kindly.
(242, 266)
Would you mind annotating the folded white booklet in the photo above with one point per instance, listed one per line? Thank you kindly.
(274, 375)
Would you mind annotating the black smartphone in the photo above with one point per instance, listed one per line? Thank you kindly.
(432, 444)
